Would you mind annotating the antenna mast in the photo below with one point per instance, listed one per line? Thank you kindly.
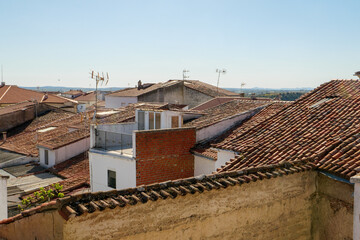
(184, 74)
(98, 78)
(220, 71)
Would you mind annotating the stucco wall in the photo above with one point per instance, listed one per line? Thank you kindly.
(203, 165)
(220, 127)
(3, 197)
(116, 102)
(100, 163)
(277, 208)
(40, 226)
(333, 209)
(194, 98)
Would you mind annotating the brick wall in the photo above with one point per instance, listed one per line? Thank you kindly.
(163, 155)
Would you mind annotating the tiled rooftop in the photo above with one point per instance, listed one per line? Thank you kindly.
(65, 139)
(221, 100)
(226, 110)
(42, 129)
(205, 149)
(310, 129)
(90, 96)
(11, 94)
(77, 205)
(208, 89)
(16, 107)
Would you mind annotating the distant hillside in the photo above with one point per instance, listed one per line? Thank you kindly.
(64, 89)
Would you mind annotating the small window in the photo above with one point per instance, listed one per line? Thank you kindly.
(141, 120)
(174, 122)
(151, 120)
(111, 179)
(47, 157)
(157, 120)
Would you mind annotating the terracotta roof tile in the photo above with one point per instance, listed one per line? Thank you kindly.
(11, 94)
(207, 150)
(311, 129)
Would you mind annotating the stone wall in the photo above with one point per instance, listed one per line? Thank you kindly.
(277, 208)
(194, 98)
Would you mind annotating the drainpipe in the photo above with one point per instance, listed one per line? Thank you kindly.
(3, 197)
(356, 218)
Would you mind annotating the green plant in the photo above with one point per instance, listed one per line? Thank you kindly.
(41, 196)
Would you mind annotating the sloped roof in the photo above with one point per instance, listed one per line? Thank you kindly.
(16, 107)
(205, 149)
(135, 92)
(226, 110)
(65, 139)
(221, 100)
(74, 92)
(321, 127)
(208, 89)
(90, 96)
(11, 94)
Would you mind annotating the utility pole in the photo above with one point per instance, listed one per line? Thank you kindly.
(220, 71)
(98, 79)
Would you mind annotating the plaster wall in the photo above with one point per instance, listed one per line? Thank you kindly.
(277, 208)
(3, 197)
(100, 163)
(203, 165)
(223, 157)
(220, 127)
(332, 209)
(117, 102)
(194, 98)
(59, 155)
(40, 226)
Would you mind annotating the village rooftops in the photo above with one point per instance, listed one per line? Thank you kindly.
(205, 149)
(89, 96)
(11, 94)
(321, 127)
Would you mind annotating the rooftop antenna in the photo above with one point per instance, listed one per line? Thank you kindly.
(184, 74)
(98, 78)
(219, 71)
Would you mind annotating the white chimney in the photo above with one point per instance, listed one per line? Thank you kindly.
(3, 197)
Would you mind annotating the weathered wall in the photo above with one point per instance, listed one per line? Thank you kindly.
(332, 209)
(18, 117)
(116, 102)
(40, 226)
(194, 98)
(278, 208)
(163, 155)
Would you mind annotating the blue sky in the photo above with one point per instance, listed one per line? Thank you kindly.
(276, 44)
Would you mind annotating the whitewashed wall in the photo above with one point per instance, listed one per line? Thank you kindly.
(203, 165)
(220, 127)
(223, 156)
(100, 163)
(165, 118)
(3, 197)
(117, 102)
(356, 219)
(64, 153)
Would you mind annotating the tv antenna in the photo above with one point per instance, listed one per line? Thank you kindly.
(184, 74)
(219, 71)
(98, 79)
